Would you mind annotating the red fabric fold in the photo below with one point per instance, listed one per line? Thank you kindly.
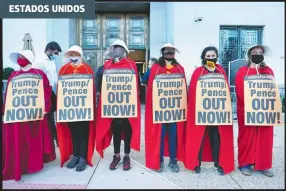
(103, 130)
(27, 145)
(63, 131)
(255, 144)
(153, 131)
(195, 133)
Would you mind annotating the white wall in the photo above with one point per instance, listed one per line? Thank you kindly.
(13, 34)
(192, 37)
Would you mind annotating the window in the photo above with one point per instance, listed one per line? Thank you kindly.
(136, 32)
(235, 41)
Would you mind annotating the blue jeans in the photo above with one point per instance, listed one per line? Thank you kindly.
(172, 133)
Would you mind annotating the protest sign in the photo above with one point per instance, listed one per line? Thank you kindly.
(213, 104)
(169, 98)
(25, 99)
(75, 98)
(119, 93)
(262, 101)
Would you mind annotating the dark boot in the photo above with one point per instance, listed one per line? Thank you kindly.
(74, 161)
(198, 169)
(81, 166)
(174, 165)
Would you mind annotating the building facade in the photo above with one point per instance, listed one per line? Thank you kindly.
(145, 27)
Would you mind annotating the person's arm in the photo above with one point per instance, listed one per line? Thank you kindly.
(145, 78)
(98, 79)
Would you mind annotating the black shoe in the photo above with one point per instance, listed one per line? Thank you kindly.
(174, 165)
(219, 170)
(126, 163)
(74, 161)
(81, 166)
(198, 169)
(115, 162)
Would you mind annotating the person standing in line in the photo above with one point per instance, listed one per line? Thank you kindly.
(117, 128)
(27, 145)
(76, 138)
(255, 143)
(46, 62)
(207, 142)
(163, 139)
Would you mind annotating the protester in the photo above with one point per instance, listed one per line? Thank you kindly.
(207, 142)
(129, 128)
(163, 139)
(146, 75)
(45, 62)
(255, 143)
(76, 138)
(27, 144)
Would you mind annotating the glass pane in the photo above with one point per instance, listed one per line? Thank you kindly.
(112, 30)
(229, 42)
(89, 24)
(90, 34)
(249, 37)
(136, 32)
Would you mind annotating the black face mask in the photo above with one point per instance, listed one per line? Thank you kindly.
(257, 59)
(211, 60)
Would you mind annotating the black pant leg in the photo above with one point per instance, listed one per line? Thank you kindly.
(201, 148)
(215, 144)
(52, 125)
(75, 140)
(127, 135)
(83, 132)
(117, 130)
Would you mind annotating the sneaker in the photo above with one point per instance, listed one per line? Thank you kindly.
(115, 162)
(219, 170)
(174, 165)
(267, 173)
(126, 163)
(198, 169)
(247, 170)
(81, 166)
(74, 161)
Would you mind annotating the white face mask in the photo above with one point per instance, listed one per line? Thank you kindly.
(75, 59)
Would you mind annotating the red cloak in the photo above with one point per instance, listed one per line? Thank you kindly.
(63, 131)
(103, 130)
(255, 144)
(153, 131)
(195, 133)
(27, 145)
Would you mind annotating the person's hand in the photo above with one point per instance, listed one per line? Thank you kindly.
(97, 93)
(143, 85)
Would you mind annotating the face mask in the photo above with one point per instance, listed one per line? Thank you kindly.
(257, 59)
(169, 56)
(75, 60)
(23, 62)
(53, 57)
(169, 59)
(210, 64)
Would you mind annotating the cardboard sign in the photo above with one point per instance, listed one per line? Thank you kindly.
(262, 101)
(213, 103)
(25, 99)
(119, 94)
(75, 98)
(169, 98)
